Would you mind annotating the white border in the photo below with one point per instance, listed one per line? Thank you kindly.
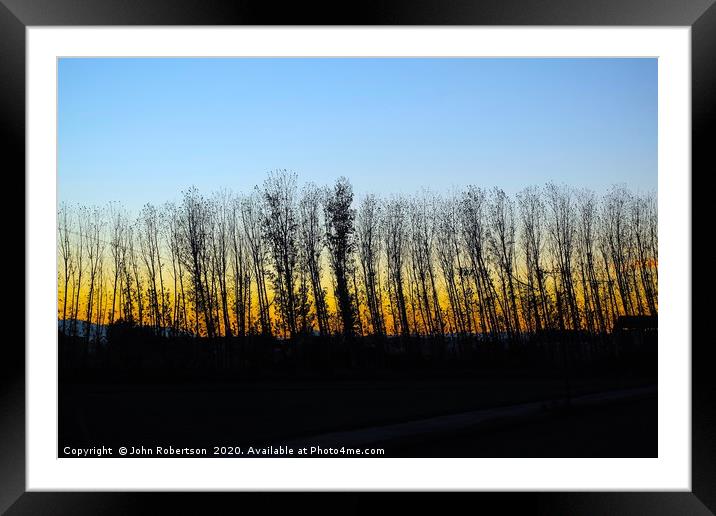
(670, 471)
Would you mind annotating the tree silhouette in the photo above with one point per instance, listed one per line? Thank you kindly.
(280, 230)
(471, 262)
(312, 241)
(340, 227)
(369, 250)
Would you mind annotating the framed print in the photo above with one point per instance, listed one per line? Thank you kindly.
(426, 249)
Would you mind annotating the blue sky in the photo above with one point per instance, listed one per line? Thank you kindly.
(141, 130)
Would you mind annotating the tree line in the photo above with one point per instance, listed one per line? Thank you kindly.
(286, 260)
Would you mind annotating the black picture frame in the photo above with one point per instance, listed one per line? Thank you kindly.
(700, 15)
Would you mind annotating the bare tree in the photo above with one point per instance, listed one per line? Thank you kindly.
(609, 291)
(126, 301)
(502, 246)
(173, 238)
(312, 241)
(252, 223)
(135, 272)
(221, 240)
(79, 253)
(340, 228)
(304, 317)
(586, 242)
(449, 252)
(368, 223)
(643, 232)
(474, 231)
(95, 248)
(562, 232)
(116, 246)
(149, 236)
(280, 230)
(532, 217)
(394, 234)
(617, 238)
(240, 264)
(422, 236)
(64, 219)
(194, 215)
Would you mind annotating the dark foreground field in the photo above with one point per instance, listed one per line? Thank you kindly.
(258, 414)
(565, 394)
(620, 429)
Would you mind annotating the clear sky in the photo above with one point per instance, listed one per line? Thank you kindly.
(141, 130)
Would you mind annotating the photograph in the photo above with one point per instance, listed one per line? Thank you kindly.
(357, 257)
